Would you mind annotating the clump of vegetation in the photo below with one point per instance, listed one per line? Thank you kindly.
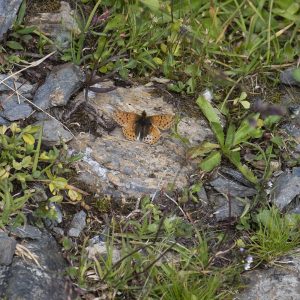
(160, 256)
(22, 163)
(192, 42)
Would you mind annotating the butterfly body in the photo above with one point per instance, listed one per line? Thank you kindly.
(142, 127)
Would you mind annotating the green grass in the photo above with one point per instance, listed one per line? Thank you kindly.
(184, 39)
(276, 235)
(154, 264)
(23, 163)
(192, 42)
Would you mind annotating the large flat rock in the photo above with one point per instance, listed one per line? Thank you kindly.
(114, 165)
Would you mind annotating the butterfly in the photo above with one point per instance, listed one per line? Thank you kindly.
(142, 127)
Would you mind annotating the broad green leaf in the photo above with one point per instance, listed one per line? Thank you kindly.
(247, 173)
(3, 129)
(296, 74)
(202, 149)
(14, 45)
(152, 227)
(229, 136)
(3, 173)
(245, 104)
(44, 156)
(210, 162)
(245, 132)
(74, 196)
(234, 157)
(164, 48)
(31, 129)
(26, 161)
(103, 69)
(191, 85)
(14, 128)
(218, 131)
(60, 182)
(243, 96)
(152, 4)
(28, 138)
(208, 110)
(100, 47)
(117, 22)
(26, 30)
(36, 174)
(22, 176)
(57, 198)
(278, 140)
(293, 8)
(271, 120)
(158, 60)
(21, 13)
(17, 166)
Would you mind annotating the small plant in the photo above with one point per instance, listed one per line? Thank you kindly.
(277, 234)
(229, 143)
(21, 164)
(152, 263)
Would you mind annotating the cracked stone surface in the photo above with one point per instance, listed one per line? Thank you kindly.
(8, 13)
(280, 282)
(59, 26)
(114, 165)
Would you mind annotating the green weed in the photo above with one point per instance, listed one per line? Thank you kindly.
(21, 164)
(277, 234)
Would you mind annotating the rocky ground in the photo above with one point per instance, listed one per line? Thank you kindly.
(122, 169)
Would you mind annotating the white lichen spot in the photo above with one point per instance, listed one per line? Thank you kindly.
(208, 95)
(249, 261)
(96, 167)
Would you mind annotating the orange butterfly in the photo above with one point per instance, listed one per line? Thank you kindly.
(142, 127)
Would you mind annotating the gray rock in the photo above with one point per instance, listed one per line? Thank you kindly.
(77, 225)
(60, 84)
(26, 231)
(27, 280)
(285, 189)
(225, 209)
(120, 167)
(293, 129)
(232, 188)
(235, 175)
(19, 112)
(281, 282)
(202, 195)
(59, 231)
(10, 81)
(4, 121)
(286, 77)
(101, 249)
(7, 249)
(54, 132)
(8, 12)
(19, 84)
(296, 171)
(14, 110)
(4, 273)
(39, 194)
(60, 26)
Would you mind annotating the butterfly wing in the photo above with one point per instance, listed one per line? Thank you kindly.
(162, 121)
(129, 132)
(153, 136)
(124, 118)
